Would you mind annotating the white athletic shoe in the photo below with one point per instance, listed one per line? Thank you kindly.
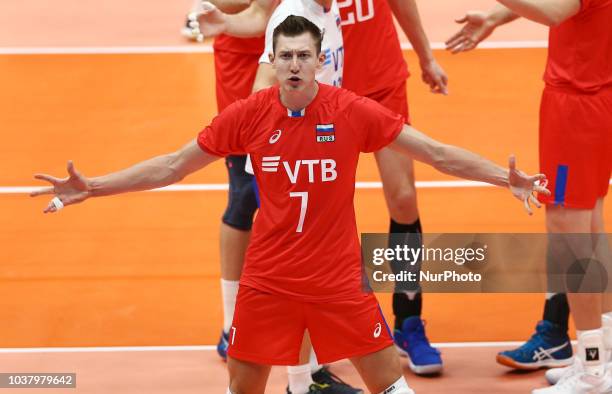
(580, 383)
(553, 375)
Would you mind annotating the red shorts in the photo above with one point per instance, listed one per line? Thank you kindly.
(393, 98)
(576, 146)
(268, 329)
(234, 76)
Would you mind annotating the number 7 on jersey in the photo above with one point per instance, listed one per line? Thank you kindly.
(304, 205)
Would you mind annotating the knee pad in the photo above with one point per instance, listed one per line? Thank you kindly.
(242, 201)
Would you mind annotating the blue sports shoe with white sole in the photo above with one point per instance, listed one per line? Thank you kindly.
(550, 346)
(412, 342)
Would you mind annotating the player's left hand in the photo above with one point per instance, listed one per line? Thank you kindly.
(434, 76)
(525, 187)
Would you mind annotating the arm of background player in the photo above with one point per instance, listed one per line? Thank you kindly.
(249, 23)
(150, 174)
(478, 26)
(265, 77)
(407, 15)
(546, 12)
(230, 6)
(462, 163)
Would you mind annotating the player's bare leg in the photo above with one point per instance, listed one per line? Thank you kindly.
(379, 379)
(593, 327)
(233, 245)
(246, 377)
(397, 175)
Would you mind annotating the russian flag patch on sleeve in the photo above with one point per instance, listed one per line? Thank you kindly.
(326, 133)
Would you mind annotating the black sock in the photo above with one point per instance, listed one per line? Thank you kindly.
(404, 307)
(556, 310)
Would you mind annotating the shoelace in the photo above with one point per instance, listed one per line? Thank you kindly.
(419, 334)
(317, 388)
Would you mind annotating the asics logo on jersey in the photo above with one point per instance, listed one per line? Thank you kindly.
(276, 136)
(270, 163)
(546, 354)
(377, 330)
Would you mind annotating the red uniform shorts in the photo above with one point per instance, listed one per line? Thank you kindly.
(393, 98)
(268, 328)
(234, 76)
(576, 146)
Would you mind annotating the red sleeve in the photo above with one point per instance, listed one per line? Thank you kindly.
(375, 126)
(227, 133)
(584, 4)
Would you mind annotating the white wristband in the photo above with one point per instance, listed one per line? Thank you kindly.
(57, 203)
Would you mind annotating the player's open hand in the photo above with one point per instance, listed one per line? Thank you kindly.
(206, 20)
(477, 27)
(525, 187)
(70, 190)
(435, 77)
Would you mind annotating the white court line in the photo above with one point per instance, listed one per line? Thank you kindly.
(224, 186)
(206, 48)
(197, 187)
(110, 349)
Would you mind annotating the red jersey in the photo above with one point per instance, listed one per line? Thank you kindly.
(580, 49)
(373, 58)
(304, 242)
(251, 46)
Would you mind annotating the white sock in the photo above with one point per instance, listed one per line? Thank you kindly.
(591, 351)
(229, 291)
(400, 386)
(228, 391)
(300, 378)
(313, 362)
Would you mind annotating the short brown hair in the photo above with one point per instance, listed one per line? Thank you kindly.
(294, 26)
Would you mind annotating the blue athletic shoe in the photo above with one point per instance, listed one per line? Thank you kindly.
(548, 347)
(222, 345)
(412, 342)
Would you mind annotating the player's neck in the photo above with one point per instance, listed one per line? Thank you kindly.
(298, 100)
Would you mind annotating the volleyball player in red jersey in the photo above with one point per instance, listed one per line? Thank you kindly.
(303, 270)
(575, 153)
(369, 33)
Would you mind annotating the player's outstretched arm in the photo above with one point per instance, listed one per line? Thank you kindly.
(477, 26)
(546, 12)
(462, 163)
(210, 21)
(150, 174)
(407, 15)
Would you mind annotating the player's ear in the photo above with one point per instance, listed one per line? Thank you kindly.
(321, 59)
(271, 57)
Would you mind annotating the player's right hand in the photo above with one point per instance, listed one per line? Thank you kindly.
(477, 27)
(70, 190)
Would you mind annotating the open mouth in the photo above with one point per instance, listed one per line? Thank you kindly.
(295, 79)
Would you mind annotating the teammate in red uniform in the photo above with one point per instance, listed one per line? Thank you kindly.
(369, 33)
(303, 266)
(575, 154)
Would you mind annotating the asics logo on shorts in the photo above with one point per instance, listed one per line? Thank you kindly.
(377, 330)
(276, 136)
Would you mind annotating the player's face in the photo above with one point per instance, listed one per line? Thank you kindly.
(296, 61)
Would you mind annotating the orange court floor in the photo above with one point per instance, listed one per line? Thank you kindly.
(143, 269)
